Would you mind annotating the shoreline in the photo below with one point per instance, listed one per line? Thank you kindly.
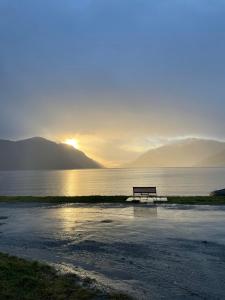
(187, 200)
(31, 279)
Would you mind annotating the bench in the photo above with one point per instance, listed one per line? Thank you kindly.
(144, 191)
(145, 194)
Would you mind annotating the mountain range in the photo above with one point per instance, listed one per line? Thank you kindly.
(184, 153)
(41, 154)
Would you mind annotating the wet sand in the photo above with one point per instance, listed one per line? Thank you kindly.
(171, 252)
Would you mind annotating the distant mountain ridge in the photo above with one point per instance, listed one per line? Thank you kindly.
(38, 153)
(217, 160)
(185, 153)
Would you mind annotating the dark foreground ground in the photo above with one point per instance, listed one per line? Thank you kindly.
(26, 280)
(197, 200)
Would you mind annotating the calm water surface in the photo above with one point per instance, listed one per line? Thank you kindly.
(169, 181)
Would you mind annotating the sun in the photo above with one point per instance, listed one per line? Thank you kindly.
(72, 142)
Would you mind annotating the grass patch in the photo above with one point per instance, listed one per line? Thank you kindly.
(25, 280)
(65, 199)
(201, 200)
(198, 200)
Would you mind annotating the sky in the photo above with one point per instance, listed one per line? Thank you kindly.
(119, 76)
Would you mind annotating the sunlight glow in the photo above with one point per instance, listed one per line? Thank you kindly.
(72, 142)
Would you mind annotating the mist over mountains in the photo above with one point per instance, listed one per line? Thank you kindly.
(41, 154)
(217, 160)
(186, 153)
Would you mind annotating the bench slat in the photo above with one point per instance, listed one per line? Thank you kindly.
(144, 189)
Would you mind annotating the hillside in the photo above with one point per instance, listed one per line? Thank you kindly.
(40, 154)
(185, 153)
(217, 160)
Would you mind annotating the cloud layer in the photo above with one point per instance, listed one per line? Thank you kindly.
(125, 71)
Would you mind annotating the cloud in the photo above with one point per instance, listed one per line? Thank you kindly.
(127, 70)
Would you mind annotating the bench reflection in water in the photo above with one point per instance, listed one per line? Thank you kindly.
(145, 211)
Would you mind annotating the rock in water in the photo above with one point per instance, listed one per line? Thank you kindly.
(218, 193)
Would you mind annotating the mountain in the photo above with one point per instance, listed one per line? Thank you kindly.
(41, 154)
(217, 160)
(186, 153)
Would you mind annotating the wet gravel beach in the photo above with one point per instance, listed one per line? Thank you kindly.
(171, 251)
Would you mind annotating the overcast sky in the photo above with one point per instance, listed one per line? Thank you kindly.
(119, 75)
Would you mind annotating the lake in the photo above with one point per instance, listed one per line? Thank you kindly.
(169, 181)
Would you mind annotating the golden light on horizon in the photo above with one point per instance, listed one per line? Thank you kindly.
(72, 142)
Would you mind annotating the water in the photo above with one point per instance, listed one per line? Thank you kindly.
(169, 181)
(164, 252)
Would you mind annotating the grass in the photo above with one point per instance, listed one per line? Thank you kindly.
(26, 280)
(201, 200)
(197, 200)
(65, 199)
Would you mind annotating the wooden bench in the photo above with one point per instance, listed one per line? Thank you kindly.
(144, 191)
(145, 194)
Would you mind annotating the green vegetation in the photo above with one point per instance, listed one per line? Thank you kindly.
(200, 200)
(65, 199)
(25, 280)
(207, 200)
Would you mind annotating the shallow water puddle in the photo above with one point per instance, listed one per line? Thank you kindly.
(168, 251)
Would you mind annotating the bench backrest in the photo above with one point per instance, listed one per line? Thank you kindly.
(144, 190)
